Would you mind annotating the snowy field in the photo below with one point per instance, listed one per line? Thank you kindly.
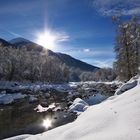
(117, 118)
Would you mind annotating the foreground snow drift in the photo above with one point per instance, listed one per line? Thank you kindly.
(21, 137)
(118, 118)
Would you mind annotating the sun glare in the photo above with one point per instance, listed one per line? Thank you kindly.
(47, 40)
(47, 123)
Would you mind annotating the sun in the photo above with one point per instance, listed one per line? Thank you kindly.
(47, 40)
(50, 39)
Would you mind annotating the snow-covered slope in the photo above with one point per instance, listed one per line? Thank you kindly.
(117, 118)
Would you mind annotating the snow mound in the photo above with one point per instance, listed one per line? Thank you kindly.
(129, 85)
(95, 99)
(116, 119)
(78, 106)
(40, 108)
(10, 98)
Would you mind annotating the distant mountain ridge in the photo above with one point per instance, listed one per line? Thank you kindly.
(75, 63)
(64, 58)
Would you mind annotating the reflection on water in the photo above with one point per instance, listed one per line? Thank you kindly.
(23, 119)
(47, 123)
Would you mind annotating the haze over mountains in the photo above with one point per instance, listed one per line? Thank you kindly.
(64, 58)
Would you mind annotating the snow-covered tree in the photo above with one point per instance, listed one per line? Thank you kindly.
(128, 49)
(21, 64)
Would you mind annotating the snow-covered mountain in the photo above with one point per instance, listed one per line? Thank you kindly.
(19, 40)
(117, 118)
(29, 45)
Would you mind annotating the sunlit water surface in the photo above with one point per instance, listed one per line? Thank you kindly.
(23, 119)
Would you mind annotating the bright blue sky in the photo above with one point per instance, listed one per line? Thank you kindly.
(84, 26)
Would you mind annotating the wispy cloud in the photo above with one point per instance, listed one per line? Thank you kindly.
(14, 34)
(103, 64)
(87, 50)
(62, 37)
(90, 53)
(83, 53)
(117, 7)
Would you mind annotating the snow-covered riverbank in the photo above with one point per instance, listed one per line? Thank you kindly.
(11, 92)
(116, 118)
(34, 102)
